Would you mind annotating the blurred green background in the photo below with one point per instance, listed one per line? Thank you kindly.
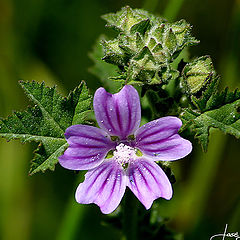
(50, 40)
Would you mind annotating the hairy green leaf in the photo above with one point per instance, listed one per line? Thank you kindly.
(225, 117)
(210, 108)
(47, 121)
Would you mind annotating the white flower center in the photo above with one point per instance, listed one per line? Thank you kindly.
(123, 154)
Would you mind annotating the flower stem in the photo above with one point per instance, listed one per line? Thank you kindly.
(130, 212)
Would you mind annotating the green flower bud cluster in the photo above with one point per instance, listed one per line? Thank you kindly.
(146, 45)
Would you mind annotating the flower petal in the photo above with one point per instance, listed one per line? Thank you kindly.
(159, 139)
(104, 186)
(118, 114)
(87, 147)
(148, 181)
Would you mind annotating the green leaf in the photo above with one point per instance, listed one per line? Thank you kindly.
(204, 102)
(202, 82)
(214, 109)
(226, 118)
(47, 121)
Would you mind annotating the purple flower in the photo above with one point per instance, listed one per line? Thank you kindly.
(133, 152)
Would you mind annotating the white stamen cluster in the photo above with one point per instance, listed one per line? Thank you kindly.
(123, 154)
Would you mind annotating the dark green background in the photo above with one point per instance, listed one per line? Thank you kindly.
(50, 40)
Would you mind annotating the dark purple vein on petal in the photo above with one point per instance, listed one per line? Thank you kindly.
(96, 178)
(118, 116)
(154, 132)
(107, 115)
(161, 149)
(129, 114)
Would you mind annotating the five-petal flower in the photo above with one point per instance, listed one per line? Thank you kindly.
(119, 117)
